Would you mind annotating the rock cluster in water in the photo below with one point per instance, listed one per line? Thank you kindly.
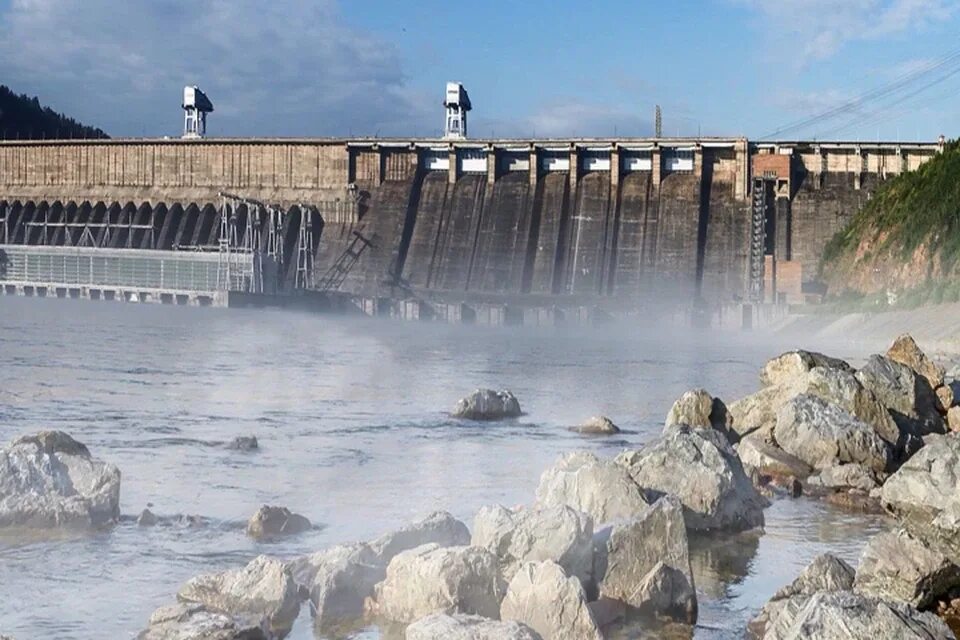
(606, 539)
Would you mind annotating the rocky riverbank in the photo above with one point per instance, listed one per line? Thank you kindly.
(603, 544)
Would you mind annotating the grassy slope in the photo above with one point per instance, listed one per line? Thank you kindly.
(907, 236)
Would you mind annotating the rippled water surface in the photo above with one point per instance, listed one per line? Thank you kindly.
(351, 415)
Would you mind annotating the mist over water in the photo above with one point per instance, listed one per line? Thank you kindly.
(352, 419)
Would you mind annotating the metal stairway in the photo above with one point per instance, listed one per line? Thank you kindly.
(758, 238)
(337, 273)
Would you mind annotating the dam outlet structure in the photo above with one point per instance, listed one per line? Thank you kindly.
(533, 231)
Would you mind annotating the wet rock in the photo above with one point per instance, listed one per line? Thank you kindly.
(541, 596)
(896, 566)
(146, 518)
(907, 395)
(822, 435)
(269, 522)
(827, 573)
(440, 626)
(905, 351)
(439, 527)
(845, 615)
(926, 484)
(190, 521)
(339, 580)
(50, 480)
(645, 563)
(244, 443)
(703, 471)
(771, 460)
(432, 579)
(953, 418)
(788, 367)
(598, 426)
(600, 488)
(699, 410)
(487, 404)
(264, 588)
(559, 533)
(197, 622)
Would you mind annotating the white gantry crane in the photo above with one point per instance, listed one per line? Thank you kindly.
(196, 105)
(457, 103)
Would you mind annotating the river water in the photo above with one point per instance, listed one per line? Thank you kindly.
(352, 419)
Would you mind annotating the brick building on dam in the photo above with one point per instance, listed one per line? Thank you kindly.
(494, 230)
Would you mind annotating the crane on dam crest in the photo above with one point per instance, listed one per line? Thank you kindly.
(457, 104)
(196, 105)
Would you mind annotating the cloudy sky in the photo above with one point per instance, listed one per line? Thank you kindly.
(545, 68)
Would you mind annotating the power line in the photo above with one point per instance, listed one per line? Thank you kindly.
(949, 60)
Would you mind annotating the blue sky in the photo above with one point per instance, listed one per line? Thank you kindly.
(562, 68)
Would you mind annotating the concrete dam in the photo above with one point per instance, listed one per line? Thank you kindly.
(441, 228)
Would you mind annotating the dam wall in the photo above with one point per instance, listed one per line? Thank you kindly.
(589, 221)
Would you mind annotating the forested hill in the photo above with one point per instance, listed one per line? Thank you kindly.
(24, 118)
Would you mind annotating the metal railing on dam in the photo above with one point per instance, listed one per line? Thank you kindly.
(139, 274)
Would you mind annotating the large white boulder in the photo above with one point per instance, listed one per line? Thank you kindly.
(645, 563)
(600, 488)
(906, 394)
(441, 626)
(197, 622)
(543, 597)
(487, 404)
(341, 578)
(263, 589)
(823, 435)
(432, 579)
(698, 409)
(789, 367)
(927, 484)
(558, 533)
(703, 471)
(50, 480)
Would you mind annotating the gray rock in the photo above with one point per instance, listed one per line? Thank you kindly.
(826, 573)
(263, 589)
(645, 563)
(432, 579)
(440, 626)
(439, 527)
(270, 522)
(847, 476)
(845, 615)
(841, 387)
(600, 488)
(927, 484)
(896, 566)
(906, 351)
(147, 518)
(823, 435)
(703, 471)
(50, 480)
(197, 622)
(341, 578)
(244, 443)
(541, 596)
(699, 410)
(559, 533)
(907, 395)
(487, 404)
(756, 415)
(788, 367)
(769, 459)
(597, 426)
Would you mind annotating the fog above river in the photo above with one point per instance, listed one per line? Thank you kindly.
(352, 419)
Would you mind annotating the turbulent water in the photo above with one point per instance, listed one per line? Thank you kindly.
(351, 415)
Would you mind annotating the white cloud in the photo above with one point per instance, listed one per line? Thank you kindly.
(287, 67)
(818, 29)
